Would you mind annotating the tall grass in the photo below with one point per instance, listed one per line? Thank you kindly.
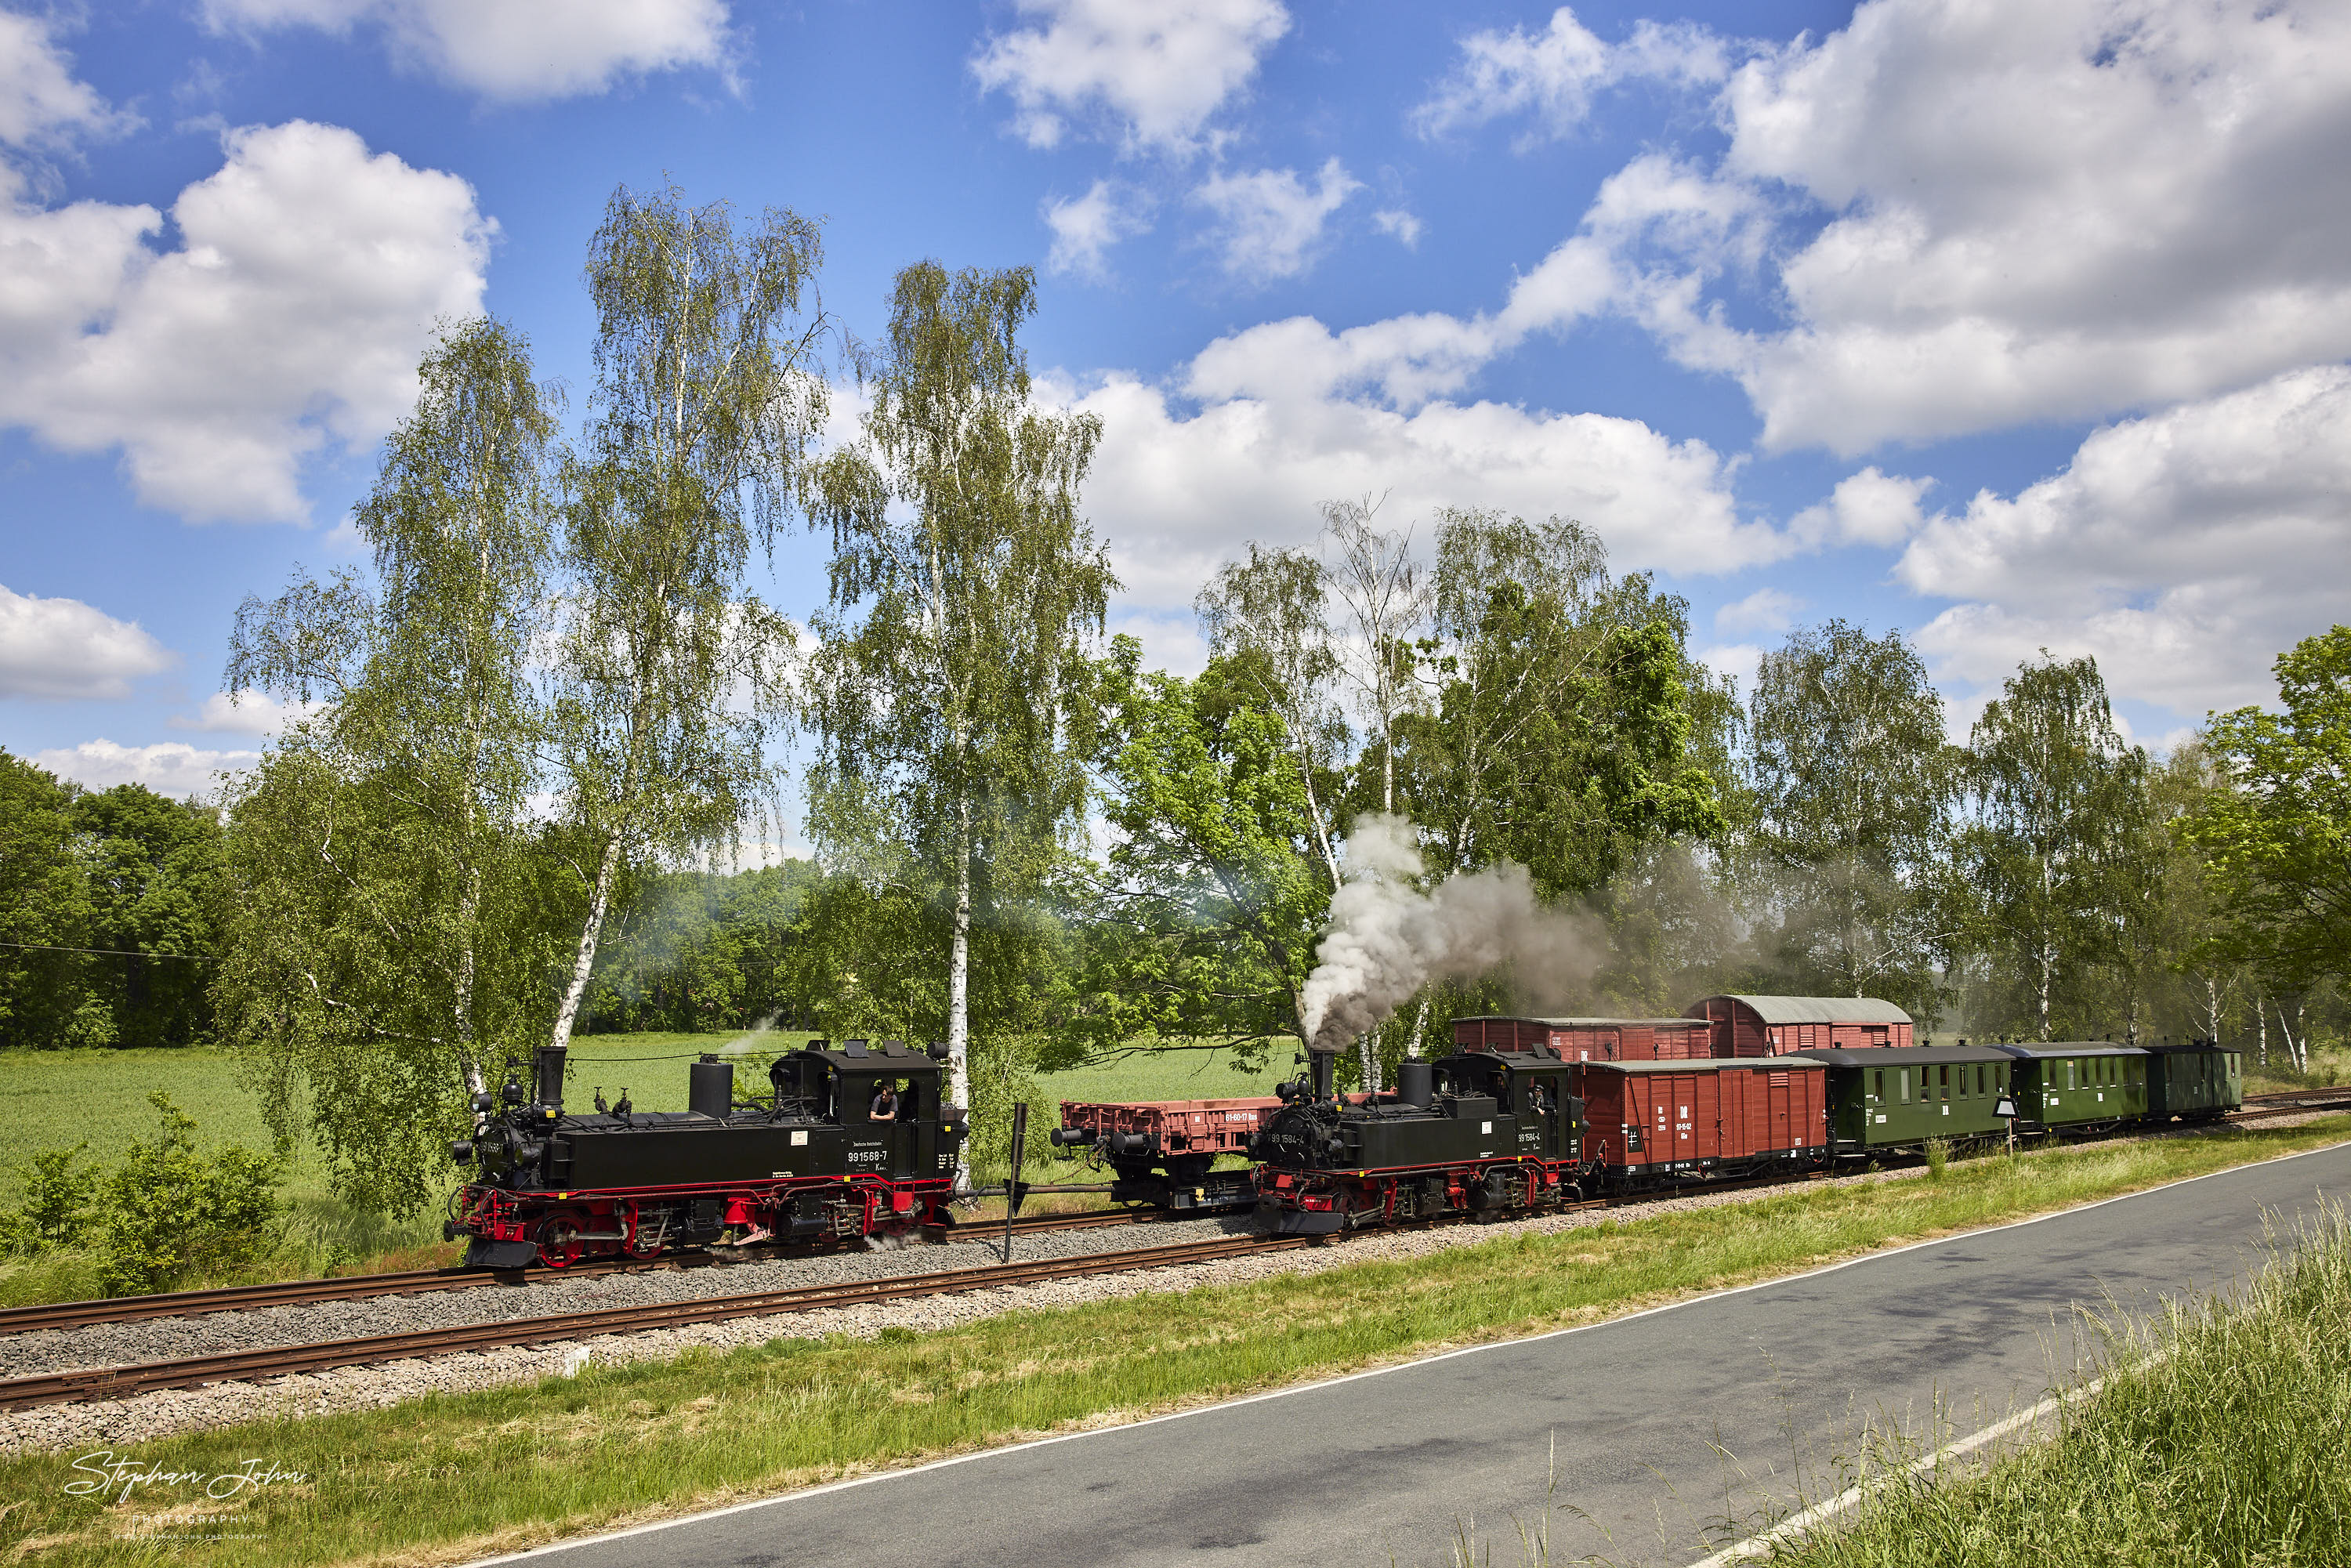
(2217, 1436)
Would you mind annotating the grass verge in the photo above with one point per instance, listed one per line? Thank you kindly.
(2216, 1436)
(445, 1478)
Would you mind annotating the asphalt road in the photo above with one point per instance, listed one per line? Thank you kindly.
(1634, 1418)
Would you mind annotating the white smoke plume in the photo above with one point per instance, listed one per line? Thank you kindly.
(1386, 938)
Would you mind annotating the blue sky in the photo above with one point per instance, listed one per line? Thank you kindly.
(2010, 323)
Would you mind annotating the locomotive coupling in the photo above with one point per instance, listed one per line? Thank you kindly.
(1069, 1137)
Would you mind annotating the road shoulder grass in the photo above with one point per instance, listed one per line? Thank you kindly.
(449, 1478)
(2214, 1433)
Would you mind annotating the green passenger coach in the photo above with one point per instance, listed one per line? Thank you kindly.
(1899, 1097)
(2195, 1082)
(2078, 1086)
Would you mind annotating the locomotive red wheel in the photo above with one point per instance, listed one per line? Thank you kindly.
(559, 1246)
(640, 1244)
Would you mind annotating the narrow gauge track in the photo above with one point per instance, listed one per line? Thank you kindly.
(119, 1382)
(423, 1281)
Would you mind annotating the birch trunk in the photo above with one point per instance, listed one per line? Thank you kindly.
(959, 987)
(599, 900)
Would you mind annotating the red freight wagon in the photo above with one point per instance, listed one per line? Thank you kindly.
(1774, 1026)
(1658, 1122)
(1588, 1038)
(1177, 1127)
(1160, 1150)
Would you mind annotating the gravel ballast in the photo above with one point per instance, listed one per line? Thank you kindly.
(156, 1414)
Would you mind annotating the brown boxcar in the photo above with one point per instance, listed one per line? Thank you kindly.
(1588, 1038)
(1654, 1122)
(1774, 1026)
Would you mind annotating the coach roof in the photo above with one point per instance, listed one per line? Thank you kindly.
(1821, 1009)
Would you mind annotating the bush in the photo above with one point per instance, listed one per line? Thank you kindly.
(168, 1213)
(55, 1210)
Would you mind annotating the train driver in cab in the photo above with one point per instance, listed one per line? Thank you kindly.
(885, 1101)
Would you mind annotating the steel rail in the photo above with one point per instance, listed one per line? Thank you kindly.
(195, 1372)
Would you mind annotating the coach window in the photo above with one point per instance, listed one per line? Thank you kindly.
(1879, 1093)
(1902, 1083)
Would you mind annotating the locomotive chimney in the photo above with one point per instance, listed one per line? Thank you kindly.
(546, 1069)
(1323, 1064)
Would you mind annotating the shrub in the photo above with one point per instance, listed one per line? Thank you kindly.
(55, 1210)
(168, 1213)
(1938, 1154)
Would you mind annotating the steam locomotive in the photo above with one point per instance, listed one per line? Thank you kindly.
(851, 1141)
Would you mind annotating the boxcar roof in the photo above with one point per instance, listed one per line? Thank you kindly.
(1607, 1023)
(2071, 1048)
(1897, 1055)
(1817, 1010)
(1720, 1063)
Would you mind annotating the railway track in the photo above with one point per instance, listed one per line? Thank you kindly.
(423, 1282)
(121, 1381)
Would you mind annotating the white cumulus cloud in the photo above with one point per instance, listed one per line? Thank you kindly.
(512, 49)
(1867, 508)
(1265, 427)
(40, 101)
(1765, 609)
(2184, 549)
(1551, 75)
(170, 767)
(1085, 227)
(291, 316)
(1268, 225)
(1153, 75)
(1979, 212)
(243, 713)
(62, 648)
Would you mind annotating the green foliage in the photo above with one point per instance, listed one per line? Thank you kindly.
(394, 913)
(123, 871)
(1565, 730)
(2056, 796)
(169, 1213)
(1854, 788)
(706, 401)
(2278, 844)
(55, 1209)
(1204, 925)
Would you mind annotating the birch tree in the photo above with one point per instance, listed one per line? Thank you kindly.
(1854, 791)
(707, 395)
(387, 934)
(965, 595)
(2056, 792)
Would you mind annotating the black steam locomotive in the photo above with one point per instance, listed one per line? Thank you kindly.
(1482, 1132)
(854, 1140)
